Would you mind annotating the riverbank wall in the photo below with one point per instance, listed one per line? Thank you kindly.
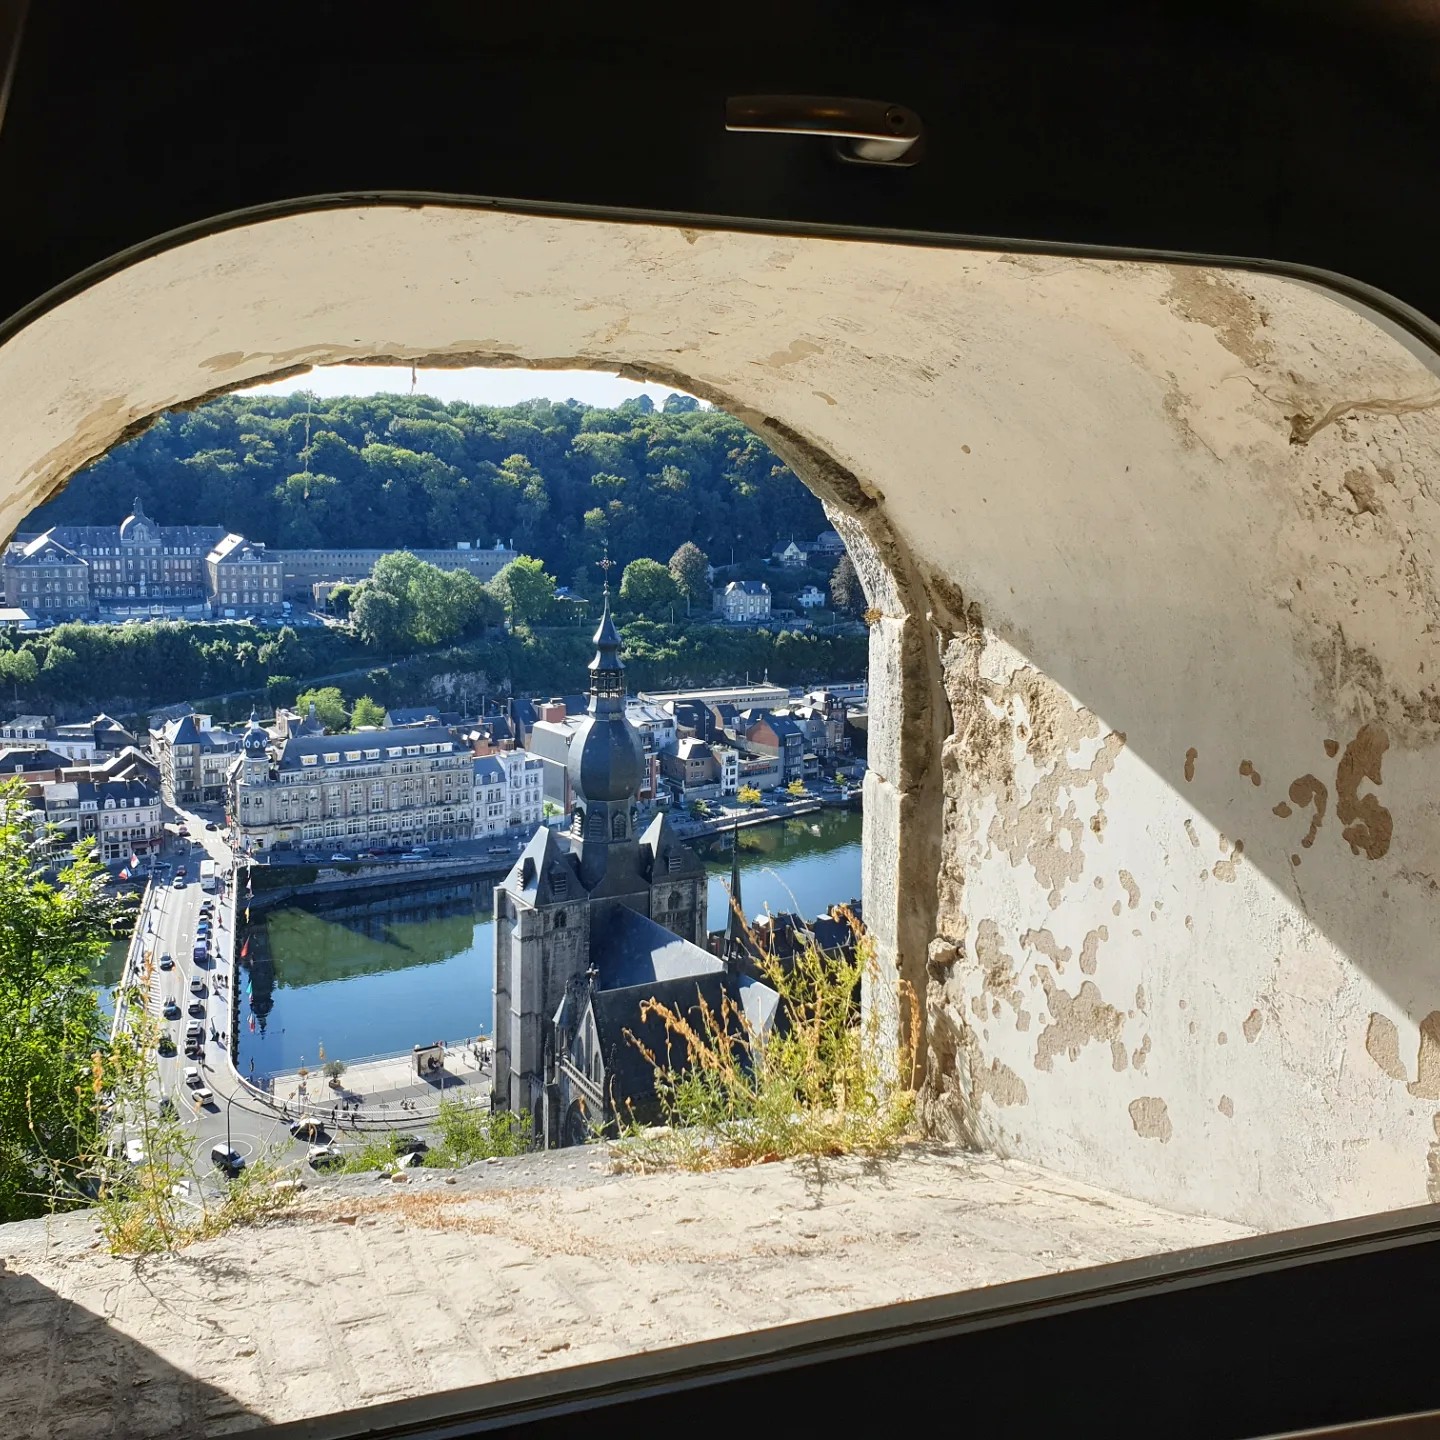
(277, 885)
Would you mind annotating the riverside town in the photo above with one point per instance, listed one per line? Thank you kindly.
(415, 854)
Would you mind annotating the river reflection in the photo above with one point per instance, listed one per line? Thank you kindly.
(377, 976)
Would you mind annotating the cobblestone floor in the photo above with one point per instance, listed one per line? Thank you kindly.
(375, 1291)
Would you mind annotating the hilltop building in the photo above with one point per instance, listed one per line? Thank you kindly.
(743, 602)
(592, 923)
(141, 569)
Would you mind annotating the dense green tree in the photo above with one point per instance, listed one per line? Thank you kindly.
(50, 1024)
(687, 567)
(415, 472)
(845, 591)
(647, 586)
(366, 712)
(408, 604)
(329, 706)
(525, 590)
(381, 620)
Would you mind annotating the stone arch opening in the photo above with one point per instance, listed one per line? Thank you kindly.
(1149, 548)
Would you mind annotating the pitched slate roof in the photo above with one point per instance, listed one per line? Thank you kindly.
(489, 771)
(629, 1076)
(545, 872)
(628, 948)
(297, 746)
(28, 757)
(664, 855)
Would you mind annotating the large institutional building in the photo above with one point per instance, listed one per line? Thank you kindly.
(187, 571)
(366, 790)
(591, 924)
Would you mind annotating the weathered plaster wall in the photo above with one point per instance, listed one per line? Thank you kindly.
(1154, 547)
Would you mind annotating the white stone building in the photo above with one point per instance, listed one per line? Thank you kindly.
(490, 784)
(524, 787)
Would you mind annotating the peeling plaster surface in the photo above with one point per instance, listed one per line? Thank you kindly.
(1152, 552)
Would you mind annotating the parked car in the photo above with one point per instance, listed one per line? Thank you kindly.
(211, 825)
(196, 1007)
(135, 1152)
(339, 856)
(197, 987)
(167, 1108)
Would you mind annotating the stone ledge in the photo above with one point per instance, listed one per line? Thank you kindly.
(374, 1290)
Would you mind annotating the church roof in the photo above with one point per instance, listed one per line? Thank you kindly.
(628, 948)
(664, 855)
(629, 1076)
(545, 872)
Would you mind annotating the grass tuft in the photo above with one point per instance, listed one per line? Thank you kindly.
(816, 1085)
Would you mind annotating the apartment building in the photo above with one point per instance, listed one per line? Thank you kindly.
(367, 790)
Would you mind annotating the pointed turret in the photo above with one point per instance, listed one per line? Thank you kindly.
(735, 919)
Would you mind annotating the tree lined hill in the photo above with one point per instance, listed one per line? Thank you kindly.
(560, 481)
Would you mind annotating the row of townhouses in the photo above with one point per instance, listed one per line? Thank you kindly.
(109, 793)
(139, 568)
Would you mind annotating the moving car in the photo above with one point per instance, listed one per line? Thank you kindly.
(135, 1152)
(227, 1159)
(166, 963)
(203, 1096)
(211, 825)
(308, 1127)
(339, 856)
(324, 1157)
(192, 1077)
(409, 1144)
(172, 1008)
(167, 1108)
(178, 883)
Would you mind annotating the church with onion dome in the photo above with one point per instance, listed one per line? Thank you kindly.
(593, 921)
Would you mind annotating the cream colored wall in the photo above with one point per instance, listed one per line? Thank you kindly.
(1152, 551)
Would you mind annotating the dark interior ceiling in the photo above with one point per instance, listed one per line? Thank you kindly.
(1295, 131)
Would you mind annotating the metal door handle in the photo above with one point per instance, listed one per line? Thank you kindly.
(866, 132)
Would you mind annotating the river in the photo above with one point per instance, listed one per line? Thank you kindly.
(374, 977)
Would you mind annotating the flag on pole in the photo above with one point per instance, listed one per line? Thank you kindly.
(124, 874)
(252, 1024)
(134, 861)
(244, 949)
(247, 915)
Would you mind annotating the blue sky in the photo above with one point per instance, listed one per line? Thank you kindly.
(481, 387)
